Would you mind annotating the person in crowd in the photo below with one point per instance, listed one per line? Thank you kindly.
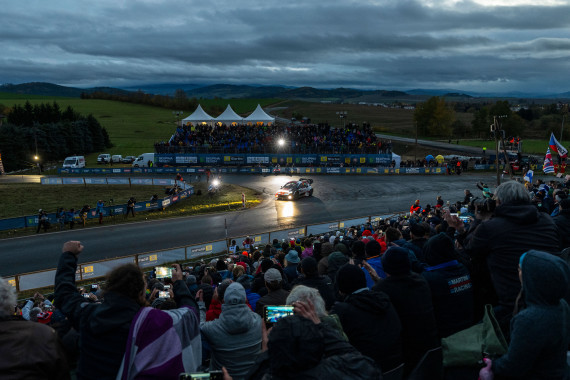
(276, 294)
(291, 262)
(540, 333)
(131, 207)
(235, 337)
(373, 259)
(336, 260)
(497, 244)
(368, 319)
(415, 208)
(99, 210)
(562, 221)
(418, 232)
(468, 197)
(29, 350)
(310, 277)
(246, 281)
(215, 308)
(60, 216)
(308, 251)
(259, 281)
(105, 328)
(233, 248)
(411, 296)
(43, 220)
(302, 347)
(450, 285)
(312, 296)
(325, 250)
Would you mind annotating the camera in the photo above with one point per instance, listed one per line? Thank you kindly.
(484, 206)
(212, 375)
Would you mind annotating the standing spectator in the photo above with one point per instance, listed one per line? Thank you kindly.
(60, 215)
(233, 248)
(373, 250)
(276, 294)
(410, 294)
(368, 319)
(562, 221)
(497, 244)
(450, 285)
(104, 327)
(291, 262)
(83, 214)
(29, 350)
(70, 218)
(235, 337)
(540, 333)
(99, 210)
(310, 277)
(131, 207)
(43, 220)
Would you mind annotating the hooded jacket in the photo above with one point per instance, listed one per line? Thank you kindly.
(500, 241)
(540, 334)
(372, 326)
(235, 337)
(562, 221)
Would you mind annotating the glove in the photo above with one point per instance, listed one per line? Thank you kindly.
(486, 373)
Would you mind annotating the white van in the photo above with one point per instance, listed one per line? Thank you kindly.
(116, 158)
(74, 162)
(145, 160)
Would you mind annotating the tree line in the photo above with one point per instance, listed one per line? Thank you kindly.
(57, 134)
(437, 118)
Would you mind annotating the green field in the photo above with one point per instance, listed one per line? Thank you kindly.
(132, 128)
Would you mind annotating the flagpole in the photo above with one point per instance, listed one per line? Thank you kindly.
(562, 128)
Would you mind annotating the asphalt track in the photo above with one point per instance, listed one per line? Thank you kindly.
(335, 197)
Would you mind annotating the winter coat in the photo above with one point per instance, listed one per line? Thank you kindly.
(372, 326)
(540, 334)
(234, 338)
(273, 298)
(411, 297)
(30, 350)
(322, 283)
(500, 241)
(562, 221)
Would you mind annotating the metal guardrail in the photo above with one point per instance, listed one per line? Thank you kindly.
(98, 269)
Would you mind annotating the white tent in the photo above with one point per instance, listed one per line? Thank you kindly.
(229, 117)
(259, 117)
(198, 117)
(397, 159)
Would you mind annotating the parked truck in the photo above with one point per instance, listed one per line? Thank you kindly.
(145, 160)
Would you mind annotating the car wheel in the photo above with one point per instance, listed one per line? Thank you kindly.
(311, 193)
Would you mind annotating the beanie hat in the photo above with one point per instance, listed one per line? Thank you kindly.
(243, 265)
(326, 249)
(350, 278)
(266, 264)
(221, 265)
(439, 249)
(292, 257)
(417, 229)
(366, 233)
(341, 247)
(396, 261)
(272, 275)
(234, 294)
(358, 248)
(309, 266)
(190, 280)
(373, 248)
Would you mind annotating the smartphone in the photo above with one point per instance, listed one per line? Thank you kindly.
(166, 287)
(85, 295)
(163, 272)
(213, 375)
(163, 294)
(453, 214)
(274, 313)
(465, 219)
(94, 286)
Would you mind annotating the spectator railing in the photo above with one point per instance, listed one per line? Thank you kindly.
(98, 269)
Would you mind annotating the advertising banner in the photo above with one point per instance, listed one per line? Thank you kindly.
(11, 281)
(39, 280)
(284, 235)
(185, 160)
(118, 181)
(96, 181)
(257, 159)
(206, 249)
(51, 181)
(352, 222)
(73, 181)
(141, 181)
(322, 228)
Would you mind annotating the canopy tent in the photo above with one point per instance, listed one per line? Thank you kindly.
(429, 158)
(439, 158)
(229, 117)
(198, 117)
(259, 117)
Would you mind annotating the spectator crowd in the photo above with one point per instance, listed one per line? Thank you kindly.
(367, 302)
(298, 139)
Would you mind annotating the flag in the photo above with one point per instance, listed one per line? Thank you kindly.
(548, 166)
(557, 147)
(528, 176)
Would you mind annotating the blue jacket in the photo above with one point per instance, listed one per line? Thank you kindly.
(376, 263)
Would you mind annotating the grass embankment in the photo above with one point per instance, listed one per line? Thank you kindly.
(132, 128)
(26, 199)
(529, 146)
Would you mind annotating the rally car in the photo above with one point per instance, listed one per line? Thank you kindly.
(295, 189)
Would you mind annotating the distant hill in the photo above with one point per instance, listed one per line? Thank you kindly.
(229, 91)
(50, 89)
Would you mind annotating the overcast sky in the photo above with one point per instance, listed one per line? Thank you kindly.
(478, 45)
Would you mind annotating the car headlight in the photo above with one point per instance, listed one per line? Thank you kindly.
(289, 197)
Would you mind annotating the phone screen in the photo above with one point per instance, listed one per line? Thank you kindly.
(163, 294)
(274, 313)
(163, 272)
